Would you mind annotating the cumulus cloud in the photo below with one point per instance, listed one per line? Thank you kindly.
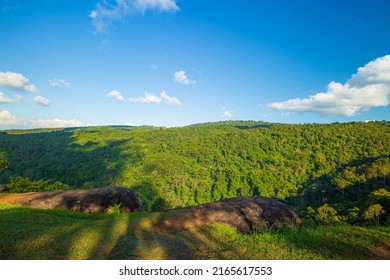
(116, 94)
(56, 122)
(226, 113)
(107, 11)
(170, 100)
(17, 81)
(369, 87)
(7, 118)
(150, 98)
(4, 98)
(181, 78)
(40, 100)
(59, 83)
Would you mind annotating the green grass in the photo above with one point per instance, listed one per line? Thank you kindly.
(56, 234)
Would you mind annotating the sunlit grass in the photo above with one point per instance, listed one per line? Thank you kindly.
(57, 234)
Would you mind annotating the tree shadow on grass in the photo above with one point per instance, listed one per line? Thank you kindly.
(220, 241)
(54, 234)
(143, 240)
(337, 242)
(57, 234)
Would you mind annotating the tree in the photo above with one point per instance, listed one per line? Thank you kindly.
(327, 214)
(374, 213)
(341, 184)
(3, 164)
(382, 197)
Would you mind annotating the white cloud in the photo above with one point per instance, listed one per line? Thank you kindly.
(150, 98)
(116, 94)
(160, 5)
(369, 87)
(17, 81)
(181, 78)
(56, 122)
(108, 11)
(170, 100)
(59, 83)
(7, 118)
(4, 98)
(128, 124)
(374, 72)
(40, 100)
(226, 113)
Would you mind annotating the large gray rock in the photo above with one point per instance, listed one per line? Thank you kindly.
(244, 213)
(90, 200)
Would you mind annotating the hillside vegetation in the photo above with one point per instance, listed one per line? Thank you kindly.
(330, 173)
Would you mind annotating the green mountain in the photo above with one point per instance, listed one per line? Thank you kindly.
(328, 172)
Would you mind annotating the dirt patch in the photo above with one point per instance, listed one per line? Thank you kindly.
(382, 251)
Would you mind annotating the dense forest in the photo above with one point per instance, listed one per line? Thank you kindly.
(330, 173)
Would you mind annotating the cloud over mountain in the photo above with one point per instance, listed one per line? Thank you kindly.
(369, 87)
(7, 118)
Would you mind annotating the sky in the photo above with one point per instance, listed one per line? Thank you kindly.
(66, 63)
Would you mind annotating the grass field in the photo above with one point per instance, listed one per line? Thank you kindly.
(57, 234)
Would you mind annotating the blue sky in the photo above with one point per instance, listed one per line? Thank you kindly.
(174, 63)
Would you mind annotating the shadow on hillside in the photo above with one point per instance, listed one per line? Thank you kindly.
(265, 125)
(363, 177)
(81, 160)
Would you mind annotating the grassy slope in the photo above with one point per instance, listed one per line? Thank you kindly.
(56, 234)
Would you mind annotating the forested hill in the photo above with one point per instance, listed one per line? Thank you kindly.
(341, 167)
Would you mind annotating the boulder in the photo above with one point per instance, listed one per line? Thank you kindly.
(89, 200)
(4, 189)
(244, 213)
